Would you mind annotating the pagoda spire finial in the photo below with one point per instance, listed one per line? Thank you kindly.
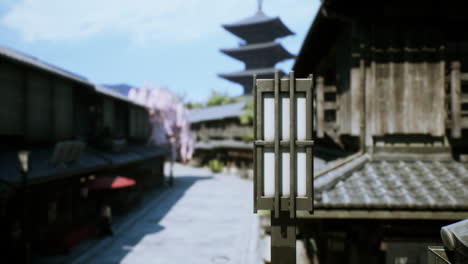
(260, 3)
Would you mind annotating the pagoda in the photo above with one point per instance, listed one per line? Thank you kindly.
(260, 52)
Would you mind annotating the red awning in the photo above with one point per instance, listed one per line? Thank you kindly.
(110, 182)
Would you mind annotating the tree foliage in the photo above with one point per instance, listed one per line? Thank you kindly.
(191, 105)
(217, 98)
(246, 116)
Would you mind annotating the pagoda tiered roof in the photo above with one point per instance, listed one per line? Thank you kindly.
(272, 52)
(260, 53)
(259, 28)
(245, 78)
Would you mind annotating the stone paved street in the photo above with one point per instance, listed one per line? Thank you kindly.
(204, 218)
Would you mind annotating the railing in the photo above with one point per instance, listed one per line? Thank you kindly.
(324, 125)
(458, 115)
(229, 132)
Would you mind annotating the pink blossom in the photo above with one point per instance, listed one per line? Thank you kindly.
(168, 118)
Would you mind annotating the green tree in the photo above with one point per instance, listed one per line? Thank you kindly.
(191, 105)
(220, 99)
(246, 117)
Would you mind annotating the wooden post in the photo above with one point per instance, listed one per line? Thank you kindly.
(320, 107)
(455, 91)
(362, 84)
(283, 239)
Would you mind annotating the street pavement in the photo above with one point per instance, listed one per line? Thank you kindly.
(203, 218)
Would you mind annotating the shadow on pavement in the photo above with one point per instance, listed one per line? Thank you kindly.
(131, 228)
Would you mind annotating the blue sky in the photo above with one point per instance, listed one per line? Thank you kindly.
(174, 44)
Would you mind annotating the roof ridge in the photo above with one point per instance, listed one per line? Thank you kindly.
(330, 179)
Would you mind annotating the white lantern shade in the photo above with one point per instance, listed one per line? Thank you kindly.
(269, 154)
(23, 157)
(285, 117)
(301, 176)
(269, 118)
(269, 172)
(285, 173)
(301, 117)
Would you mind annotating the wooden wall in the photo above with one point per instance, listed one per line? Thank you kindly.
(38, 107)
(34, 105)
(108, 113)
(138, 123)
(11, 100)
(344, 113)
(405, 98)
(398, 73)
(62, 110)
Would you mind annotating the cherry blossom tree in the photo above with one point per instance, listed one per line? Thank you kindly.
(168, 118)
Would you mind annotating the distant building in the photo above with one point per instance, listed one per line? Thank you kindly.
(390, 84)
(260, 52)
(220, 135)
(77, 134)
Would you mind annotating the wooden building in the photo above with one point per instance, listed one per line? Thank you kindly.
(220, 135)
(76, 132)
(390, 85)
(398, 64)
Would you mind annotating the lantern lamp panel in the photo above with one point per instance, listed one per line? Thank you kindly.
(268, 117)
(301, 171)
(301, 116)
(285, 173)
(284, 117)
(268, 172)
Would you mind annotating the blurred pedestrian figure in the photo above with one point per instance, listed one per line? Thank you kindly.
(106, 221)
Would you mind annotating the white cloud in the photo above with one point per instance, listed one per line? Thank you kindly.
(142, 21)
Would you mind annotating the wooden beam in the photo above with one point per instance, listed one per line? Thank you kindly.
(320, 107)
(464, 76)
(329, 89)
(464, 122)
(355, 100)
(384, 214)
(455, 92)
(464, 98)
(329, 106)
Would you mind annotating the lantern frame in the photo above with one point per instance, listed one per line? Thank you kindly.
(293, 88)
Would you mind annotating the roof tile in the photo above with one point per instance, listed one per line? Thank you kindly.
(399, 185)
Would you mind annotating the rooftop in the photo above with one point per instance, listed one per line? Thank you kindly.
(389, 185)
(31, 61)
(259, 28)
(249, 73)
(271, 49)
(217, 112)
(90, 159)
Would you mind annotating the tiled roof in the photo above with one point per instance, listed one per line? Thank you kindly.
(414, 185)
(275, 51)
(91, 160)
(253, 47)
(36, 63)
(217, 112)
(259, 17)
(249, 73)
(115, 94)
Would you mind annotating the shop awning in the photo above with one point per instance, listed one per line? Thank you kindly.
(110, 182)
